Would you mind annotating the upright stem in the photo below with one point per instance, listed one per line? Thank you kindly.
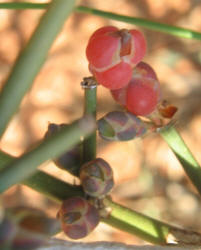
(184, 155)
(32, 58)
(89, 144)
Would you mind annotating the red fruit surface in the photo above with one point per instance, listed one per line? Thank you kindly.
(142, 97)
(116, 77)
(119, 95)
(139, 46)
(102, 50)
(102, 31)
(144, 70)
(141, 72)
(112, 54)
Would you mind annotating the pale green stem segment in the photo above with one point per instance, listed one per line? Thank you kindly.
(183, 154)
(32, 58)
(165, 28)
(23, 5)
(89, 144)
(52, 187)
(44, 183)
(136, 223)
(121, 217)
(60, 142)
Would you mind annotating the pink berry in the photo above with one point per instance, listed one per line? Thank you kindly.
(115, 77)
(139, 46)
(119, 95)
(102, 31)
(141, 98)
(101, 50)
(144, 70)
(113, 52)
(141, 71)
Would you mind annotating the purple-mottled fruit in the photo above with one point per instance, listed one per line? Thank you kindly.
(121, 126)
(96, 178)
(78, 217)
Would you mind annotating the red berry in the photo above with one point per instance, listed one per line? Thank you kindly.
(142, 71)
(120, 95)
(115, 77)
(102, 31)
(101, 51)
(141, 98)
(110, 51)
(139, 46)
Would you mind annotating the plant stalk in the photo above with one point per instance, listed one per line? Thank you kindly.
(183, 154)
(23, 5)
(165, 28)
(32, 58)
(120, 217)
(58, 143)
(89, 144)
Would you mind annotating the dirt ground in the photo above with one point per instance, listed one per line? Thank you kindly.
(148, 177)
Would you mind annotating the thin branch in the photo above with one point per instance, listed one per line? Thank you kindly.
(23, 167)
(165, 28)
(32, 58)
(89, 144)
(184, 155)
(23, 5)
(119, 217)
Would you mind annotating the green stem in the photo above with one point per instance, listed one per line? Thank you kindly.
(89, 144)
(136, 223)
(23, 167)
(32, 58)
(23, 5)
(183, 154)
(120, 217)
(44, 183)
(52, 187)
(165, 28)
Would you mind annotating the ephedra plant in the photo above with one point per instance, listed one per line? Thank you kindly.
(115, 59)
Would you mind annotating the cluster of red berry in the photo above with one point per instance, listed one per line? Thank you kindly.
(115, 60)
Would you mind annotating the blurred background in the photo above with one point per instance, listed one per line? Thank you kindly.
(148, 177)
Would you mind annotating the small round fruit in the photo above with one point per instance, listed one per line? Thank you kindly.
(142, 96)
(96, 178)
(116, 77)
(78, 217)
(112, 54)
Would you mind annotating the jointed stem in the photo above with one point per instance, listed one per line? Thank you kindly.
(183, 154)
(89, 144)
